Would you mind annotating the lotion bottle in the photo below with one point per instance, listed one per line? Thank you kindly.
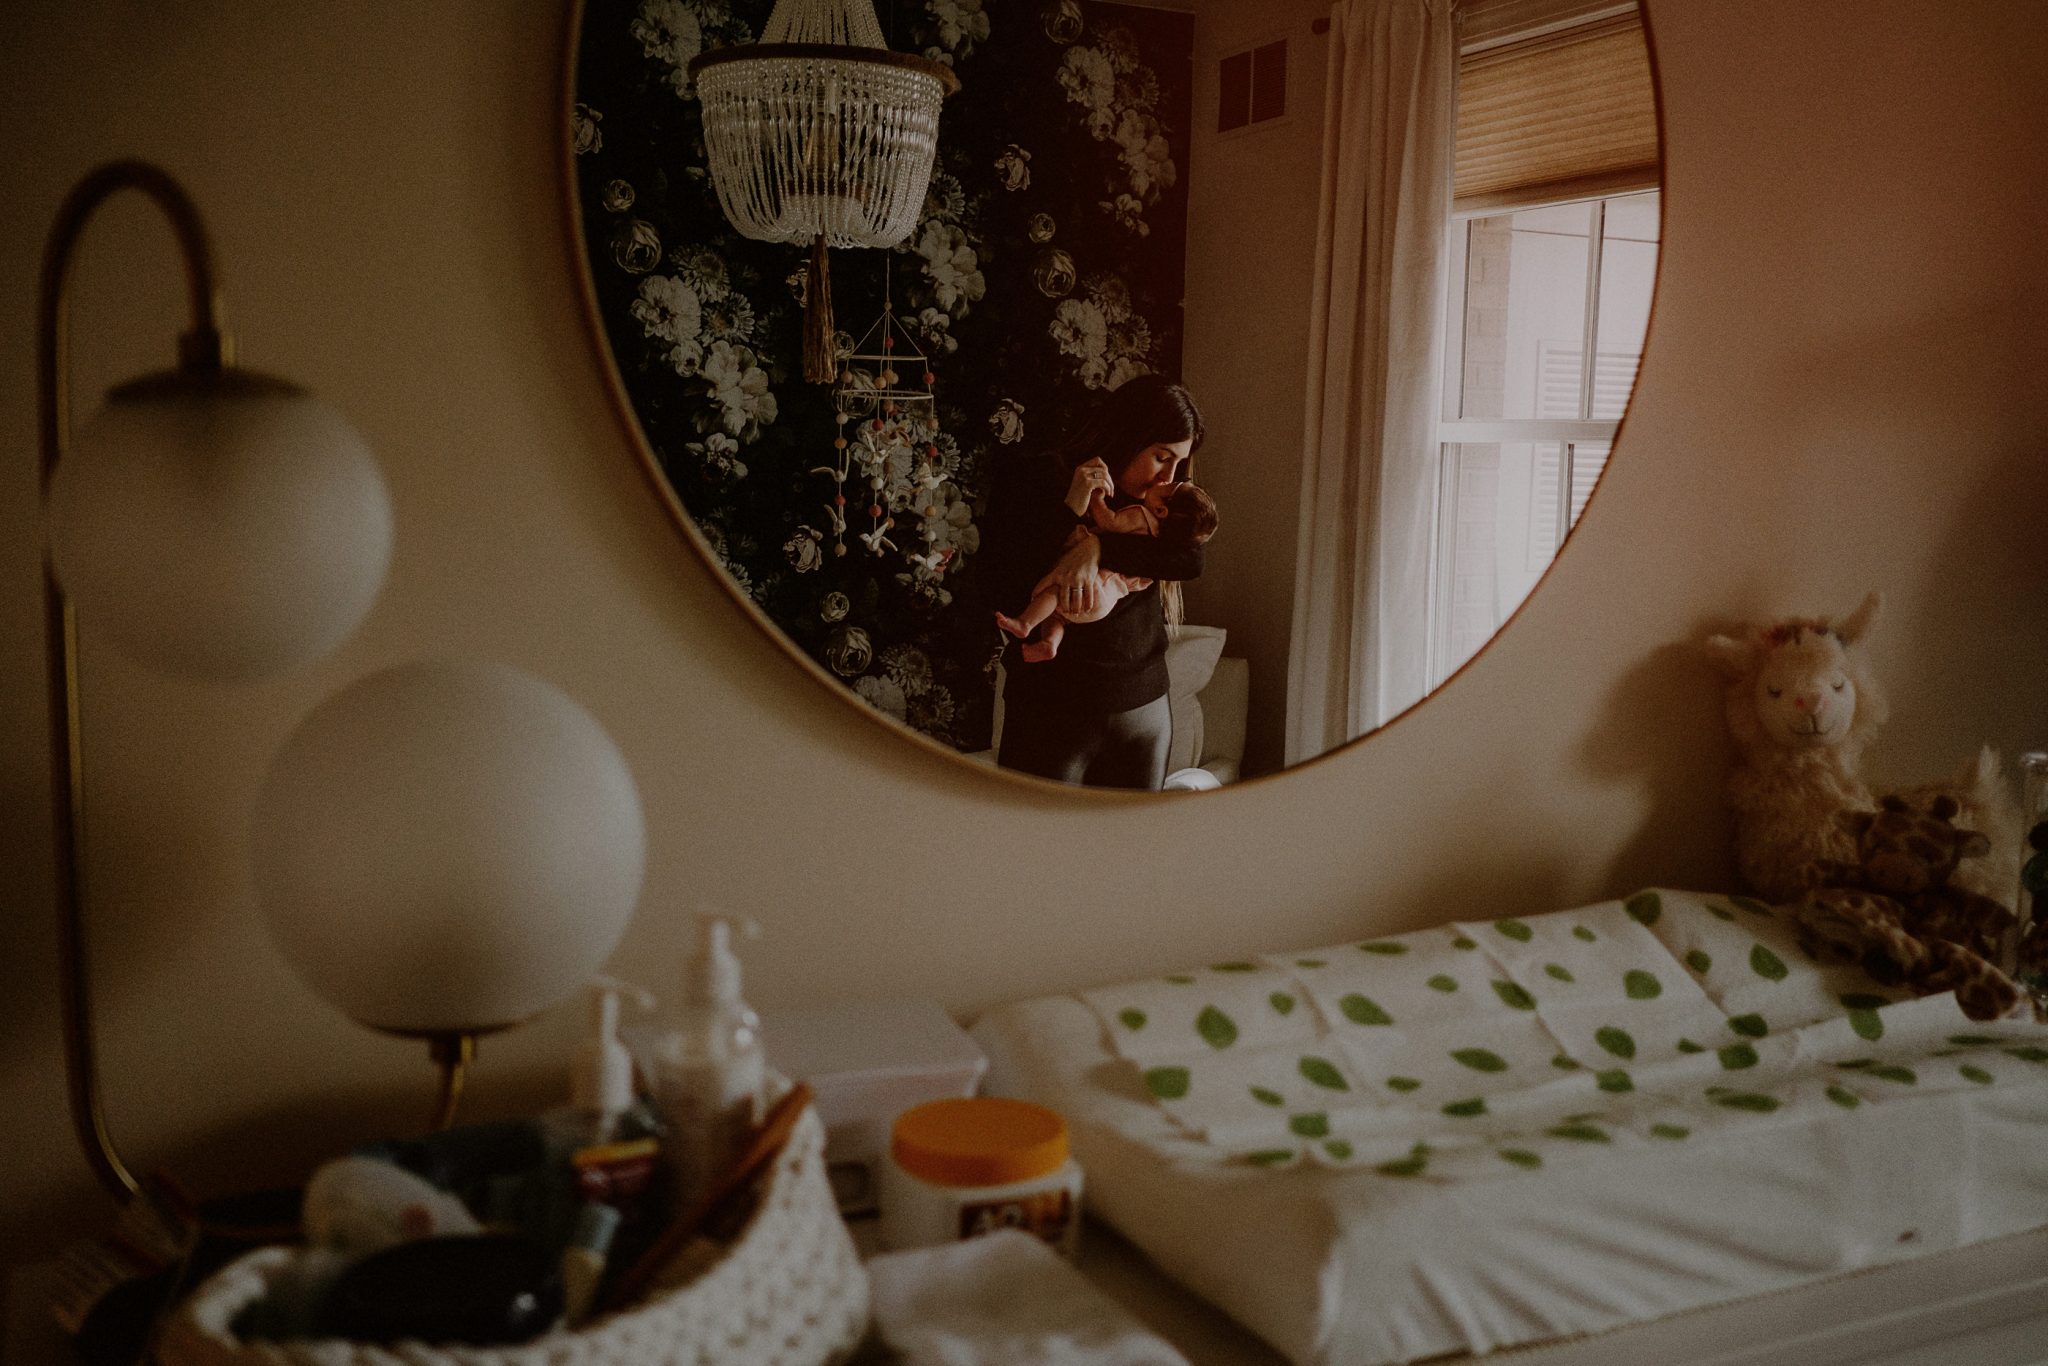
(708, 1066)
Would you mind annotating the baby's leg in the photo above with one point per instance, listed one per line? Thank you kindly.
(1039, 608)
(1048, 643)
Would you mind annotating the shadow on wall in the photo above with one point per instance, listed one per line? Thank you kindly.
(1982, 610)
(1484, 879)
(1652, 735)
(1996, 548)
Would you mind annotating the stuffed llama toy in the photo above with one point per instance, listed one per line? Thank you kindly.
(1801, 706)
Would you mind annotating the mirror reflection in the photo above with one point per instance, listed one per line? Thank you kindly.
(1187, 436)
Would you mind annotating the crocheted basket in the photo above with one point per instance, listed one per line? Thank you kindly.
(789, 1291)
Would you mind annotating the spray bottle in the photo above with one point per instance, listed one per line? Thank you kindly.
(708, 1065)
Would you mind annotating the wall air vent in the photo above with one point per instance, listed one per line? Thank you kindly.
(1252, 86)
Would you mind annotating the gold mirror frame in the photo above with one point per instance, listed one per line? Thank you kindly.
(650, 468)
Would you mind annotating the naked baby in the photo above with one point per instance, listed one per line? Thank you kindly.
(1181, 512)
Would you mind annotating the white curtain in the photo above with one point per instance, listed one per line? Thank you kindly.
(1368, 499)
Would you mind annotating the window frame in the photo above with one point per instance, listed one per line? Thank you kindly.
(1455, 430)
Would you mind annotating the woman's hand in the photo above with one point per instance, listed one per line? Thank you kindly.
(1078, 576)
(1089, 479)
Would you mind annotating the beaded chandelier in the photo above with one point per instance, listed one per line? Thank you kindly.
(820, 134)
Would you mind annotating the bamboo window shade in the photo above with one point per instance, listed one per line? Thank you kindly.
(1571, 114)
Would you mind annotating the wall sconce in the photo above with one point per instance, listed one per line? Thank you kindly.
(221, 523)
(441, 849)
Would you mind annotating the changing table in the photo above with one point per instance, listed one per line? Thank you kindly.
(1497, 1134)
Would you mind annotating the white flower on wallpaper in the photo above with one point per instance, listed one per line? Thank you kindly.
(1063, 21)
(1128, 213)
(1145, 154)
(883, 695)
(588, 137)
(714, 536)
(1100, 330)
(1090, 81)
(948, 461)
(721, 456)
(1083, 333)
(671, 32)
(908, 667)
(887, 460)
(932, 711)
(1121, 48)
(952, 267)
(945, 198)
(729, 318)
(1137, 85)
(805, 549)
(703, 269)
(739, 387)
(1118, 93)
(934, 331)
(1013, 168)
(962, 24)
(636, 246)
(1007, 421)
(951, 527)
(905, 686)
(1130, 343)
(668, 311)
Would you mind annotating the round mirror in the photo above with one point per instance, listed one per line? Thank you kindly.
(1187, 434)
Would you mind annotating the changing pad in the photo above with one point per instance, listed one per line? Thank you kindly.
(1499, 1133)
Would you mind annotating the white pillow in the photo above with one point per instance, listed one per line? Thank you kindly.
(1191, 656)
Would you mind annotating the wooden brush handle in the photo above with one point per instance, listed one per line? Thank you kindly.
(767, 1142)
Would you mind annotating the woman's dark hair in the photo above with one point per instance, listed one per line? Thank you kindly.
(1144, 411)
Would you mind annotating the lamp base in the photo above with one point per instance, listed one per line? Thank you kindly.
(452, 1050)
(452, 1053)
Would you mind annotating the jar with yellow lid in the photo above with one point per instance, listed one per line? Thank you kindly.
(958, 1168)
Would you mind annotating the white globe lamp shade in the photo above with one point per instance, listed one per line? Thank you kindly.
(221, 527)
(447, 847)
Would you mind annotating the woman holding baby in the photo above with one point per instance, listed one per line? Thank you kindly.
(1084, 548)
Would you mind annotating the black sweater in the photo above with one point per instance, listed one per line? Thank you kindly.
(1105, 666)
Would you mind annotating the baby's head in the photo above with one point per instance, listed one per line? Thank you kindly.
(1189, 517)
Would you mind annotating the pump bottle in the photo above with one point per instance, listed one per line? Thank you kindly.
(603, 1107)
(708, 1065)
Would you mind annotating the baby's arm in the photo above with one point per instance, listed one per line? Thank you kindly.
(1134, 520)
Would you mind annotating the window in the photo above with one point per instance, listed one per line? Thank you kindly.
(1548, 307)
(1553, 255)
(1252, 87)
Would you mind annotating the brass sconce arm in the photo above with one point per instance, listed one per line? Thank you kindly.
(203, 350)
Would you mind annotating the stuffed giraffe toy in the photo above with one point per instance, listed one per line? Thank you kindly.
(1894, 910)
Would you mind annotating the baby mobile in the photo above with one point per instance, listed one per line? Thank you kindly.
(886, 458)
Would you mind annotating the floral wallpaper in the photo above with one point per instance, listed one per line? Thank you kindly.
(1046, 268)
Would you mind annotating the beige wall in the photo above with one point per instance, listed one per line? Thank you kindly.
(1251, 262)
(1844, 388)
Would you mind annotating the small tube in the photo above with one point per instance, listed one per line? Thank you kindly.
(583, 1260)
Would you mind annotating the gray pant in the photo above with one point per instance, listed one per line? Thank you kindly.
(1119, 749)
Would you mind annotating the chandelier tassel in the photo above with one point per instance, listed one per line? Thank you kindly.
(821, 363)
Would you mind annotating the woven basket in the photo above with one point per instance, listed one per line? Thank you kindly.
(790, 1291)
